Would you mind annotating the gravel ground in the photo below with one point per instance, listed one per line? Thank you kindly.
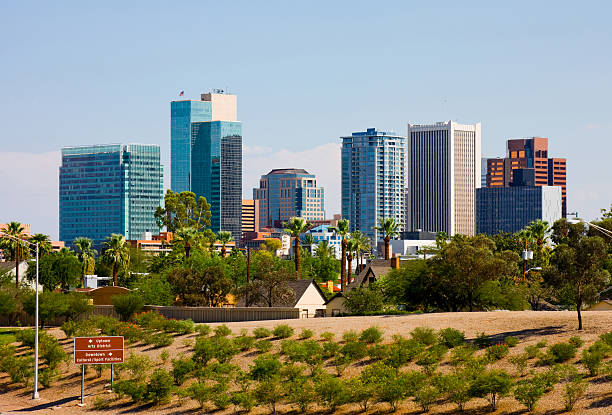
(530, 327)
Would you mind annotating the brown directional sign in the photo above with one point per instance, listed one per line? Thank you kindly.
(98, 350)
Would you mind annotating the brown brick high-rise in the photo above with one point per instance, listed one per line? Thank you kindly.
(529, 153)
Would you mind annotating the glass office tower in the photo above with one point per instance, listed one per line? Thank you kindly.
(107, 189)
(373, 180)
(206, 146)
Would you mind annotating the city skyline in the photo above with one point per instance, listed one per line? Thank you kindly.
(510, 80)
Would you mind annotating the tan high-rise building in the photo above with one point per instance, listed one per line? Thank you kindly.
(250, 216)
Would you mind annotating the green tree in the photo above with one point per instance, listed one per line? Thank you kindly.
(58, 269)
(342, 229)
(577, 265)
(390, 229)
(86, 255)
(200, 286)
(296, 227)
(365, 299)
(182, 210)
(269, 285)
(409, 284)
(116, 254)
(155, 290)
(186, 238)
(224, 237)
(324, 249)
(44, 243)
(493, 385)
(17, 250)
(271, 245)
(363, 245)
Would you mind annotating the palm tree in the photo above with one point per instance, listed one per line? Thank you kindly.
(342, 229)
(352, 247)
(324, 249)
(187, 236)
(539, 231)
(308, 241)
(86, 255)
(389, 228)
(116, 253)
(364, 245)
(17, 249)
(224, 237)
(44, 243)
(296, 227)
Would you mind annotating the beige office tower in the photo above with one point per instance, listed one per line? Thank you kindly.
(443, 173)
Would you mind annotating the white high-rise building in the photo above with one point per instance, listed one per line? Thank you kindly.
(444, 164)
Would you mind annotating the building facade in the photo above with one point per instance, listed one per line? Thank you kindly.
(373, 179)
(250, 216)
(105, 189)
(529, 153)
(510, 209)
(206, 156)
(443, 173)
(322, 233)
(285, 193)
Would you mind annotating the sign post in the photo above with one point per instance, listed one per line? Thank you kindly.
(98, 351)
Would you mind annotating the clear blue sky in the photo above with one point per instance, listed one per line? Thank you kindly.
(83, 72)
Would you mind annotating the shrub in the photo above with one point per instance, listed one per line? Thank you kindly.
(350, 336)
(424, 335)
(330, 349)
(532, 351)
(497, 352)
(520, 363)
(354, 350)
(457, 388)
(69, 328)
(159, 386)
(327, 336)
(301, 392)
(371, 335)
(164, 356)
(601, 347)
(270, 392)
(378, 352)
(101, 403)
(181, 369)
(263, 346)
(135, 389)
(203, 329)
(306, 334)
(47, 376)
(482, 341)
(179, 326)
(52, 352)
(223, 331)
(573, 391)
(289, 347)
(427, 395)
(541, 344)
(576, 341)
(451, 337)
(592, 361)
(19, 369)
(282, 331)
(331, 391)
(199, 392)
(511, 341)
(261, 333)
(244, 399)
(528, 392)
(431, 357)
(151, 320)
(127, 304)
(138, 365)
(244, 343)
(491, 385)
(160, 339)
(462, 354)
(562, 352)
(606, 338)
(265, 367)
(402, 351)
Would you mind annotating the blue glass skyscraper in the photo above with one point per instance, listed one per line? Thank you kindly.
(107, 189)
(206, 156)
(373, 180)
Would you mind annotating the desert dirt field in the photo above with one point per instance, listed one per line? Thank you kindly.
(528, 326)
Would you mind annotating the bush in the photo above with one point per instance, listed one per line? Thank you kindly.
(69, 328)
(461, 355)
(207, 348)
(576, 341)
(101, 403)
(520, 363)
(19, 369)
(427, 395)
(371, 335)
(181, 369)
(135, 389)
(330, 349)
(497, 352)
(532, 352)
(327, 336)
(138, 365)
(306, 334)
(424, 335)
(350, 336)
(562, 352)
(127, 305)
(159, 386)
(451, 337)
(541, 344)
(482, 341)
(301, 392)
(592, 361)
(265, 367)
(331, 391)
(282, 331)
(606, 338)
(261, 333)
(179, 326)
(244, 399)
(431, 357)
(511, 341)
(159, 339)
(244, 343)
(47, 376)
(528, 392)
(573, 391)
(263, 346)
(354, 350)
(223, 331)
(52, 352)
(491, 385)
(457, 388)
(402, 351)
(378, 351)
(203, 329)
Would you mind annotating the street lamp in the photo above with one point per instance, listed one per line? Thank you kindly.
(605, 231)
(35, 393)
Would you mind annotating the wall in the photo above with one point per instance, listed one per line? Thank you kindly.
(312, 301)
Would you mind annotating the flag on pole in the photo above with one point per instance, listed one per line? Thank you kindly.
(181, 93)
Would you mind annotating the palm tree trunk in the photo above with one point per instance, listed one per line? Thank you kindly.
(343, 265)
(387, 250)
(17, 267)
(350, 270)
(115, 271)
(297, 256)
(187, 250)
(223, 251)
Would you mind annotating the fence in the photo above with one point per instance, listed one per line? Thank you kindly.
(197, 314)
